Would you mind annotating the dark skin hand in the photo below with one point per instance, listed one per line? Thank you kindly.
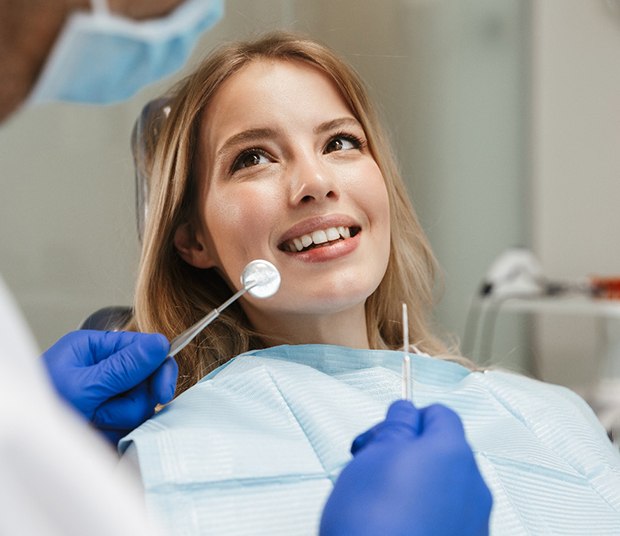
(29, 28)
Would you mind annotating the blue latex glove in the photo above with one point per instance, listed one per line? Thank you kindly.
(114, 379)
(413, 474)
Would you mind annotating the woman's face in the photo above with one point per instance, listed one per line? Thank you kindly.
(285, 175)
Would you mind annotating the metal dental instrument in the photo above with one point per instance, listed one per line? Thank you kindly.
(406, 387)
(260, 278)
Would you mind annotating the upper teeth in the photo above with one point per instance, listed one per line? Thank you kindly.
(317, 237)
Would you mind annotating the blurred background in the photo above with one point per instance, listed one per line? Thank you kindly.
(505, 116)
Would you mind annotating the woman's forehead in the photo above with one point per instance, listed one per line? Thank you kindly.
(267, 91)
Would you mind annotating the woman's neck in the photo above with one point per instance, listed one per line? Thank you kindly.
(343, 328)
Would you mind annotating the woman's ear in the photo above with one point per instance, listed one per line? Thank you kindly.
(192, 247)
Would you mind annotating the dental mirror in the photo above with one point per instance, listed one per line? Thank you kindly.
(260, 278)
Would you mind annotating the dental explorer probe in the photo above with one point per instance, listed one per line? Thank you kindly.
(260, 278)
(406, 387)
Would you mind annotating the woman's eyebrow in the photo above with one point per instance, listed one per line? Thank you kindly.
(333, 124)
(250, 135)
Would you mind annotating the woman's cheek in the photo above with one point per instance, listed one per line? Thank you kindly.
(238, 219)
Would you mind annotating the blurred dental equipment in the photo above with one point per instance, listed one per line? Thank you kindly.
(607, 288)
(406, 391)
(517, 274)
(260, 278)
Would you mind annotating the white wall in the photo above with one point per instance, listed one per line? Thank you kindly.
(575, 189)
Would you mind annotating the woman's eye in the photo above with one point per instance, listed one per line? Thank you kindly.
(342, 143)
(249, 158)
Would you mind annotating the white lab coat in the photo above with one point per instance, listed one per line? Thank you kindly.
(57, 477)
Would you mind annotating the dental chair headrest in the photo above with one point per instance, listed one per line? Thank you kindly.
(144, 136)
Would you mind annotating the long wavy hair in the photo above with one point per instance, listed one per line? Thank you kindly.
(171, 295)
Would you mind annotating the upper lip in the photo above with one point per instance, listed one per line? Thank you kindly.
(317, 223)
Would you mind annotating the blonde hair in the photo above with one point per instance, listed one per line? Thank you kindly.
(171, 295)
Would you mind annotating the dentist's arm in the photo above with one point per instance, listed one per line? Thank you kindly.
(114, 379)
(413, 474)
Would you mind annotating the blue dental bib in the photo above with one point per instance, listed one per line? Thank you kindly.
(254, 447)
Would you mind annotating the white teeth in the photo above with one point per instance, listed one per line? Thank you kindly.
(318, 237)
(332, 234)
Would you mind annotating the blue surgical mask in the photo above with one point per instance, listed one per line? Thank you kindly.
(101, 58)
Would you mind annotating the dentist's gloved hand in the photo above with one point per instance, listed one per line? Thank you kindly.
(413, 474)
(114, 379)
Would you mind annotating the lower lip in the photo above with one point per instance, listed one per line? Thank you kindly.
(328, 253)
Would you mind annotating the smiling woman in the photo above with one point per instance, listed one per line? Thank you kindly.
(272, 150)
(274, 167)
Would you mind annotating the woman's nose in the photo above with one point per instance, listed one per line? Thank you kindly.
(312, 181)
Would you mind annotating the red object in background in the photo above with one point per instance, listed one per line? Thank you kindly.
(606, 287)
